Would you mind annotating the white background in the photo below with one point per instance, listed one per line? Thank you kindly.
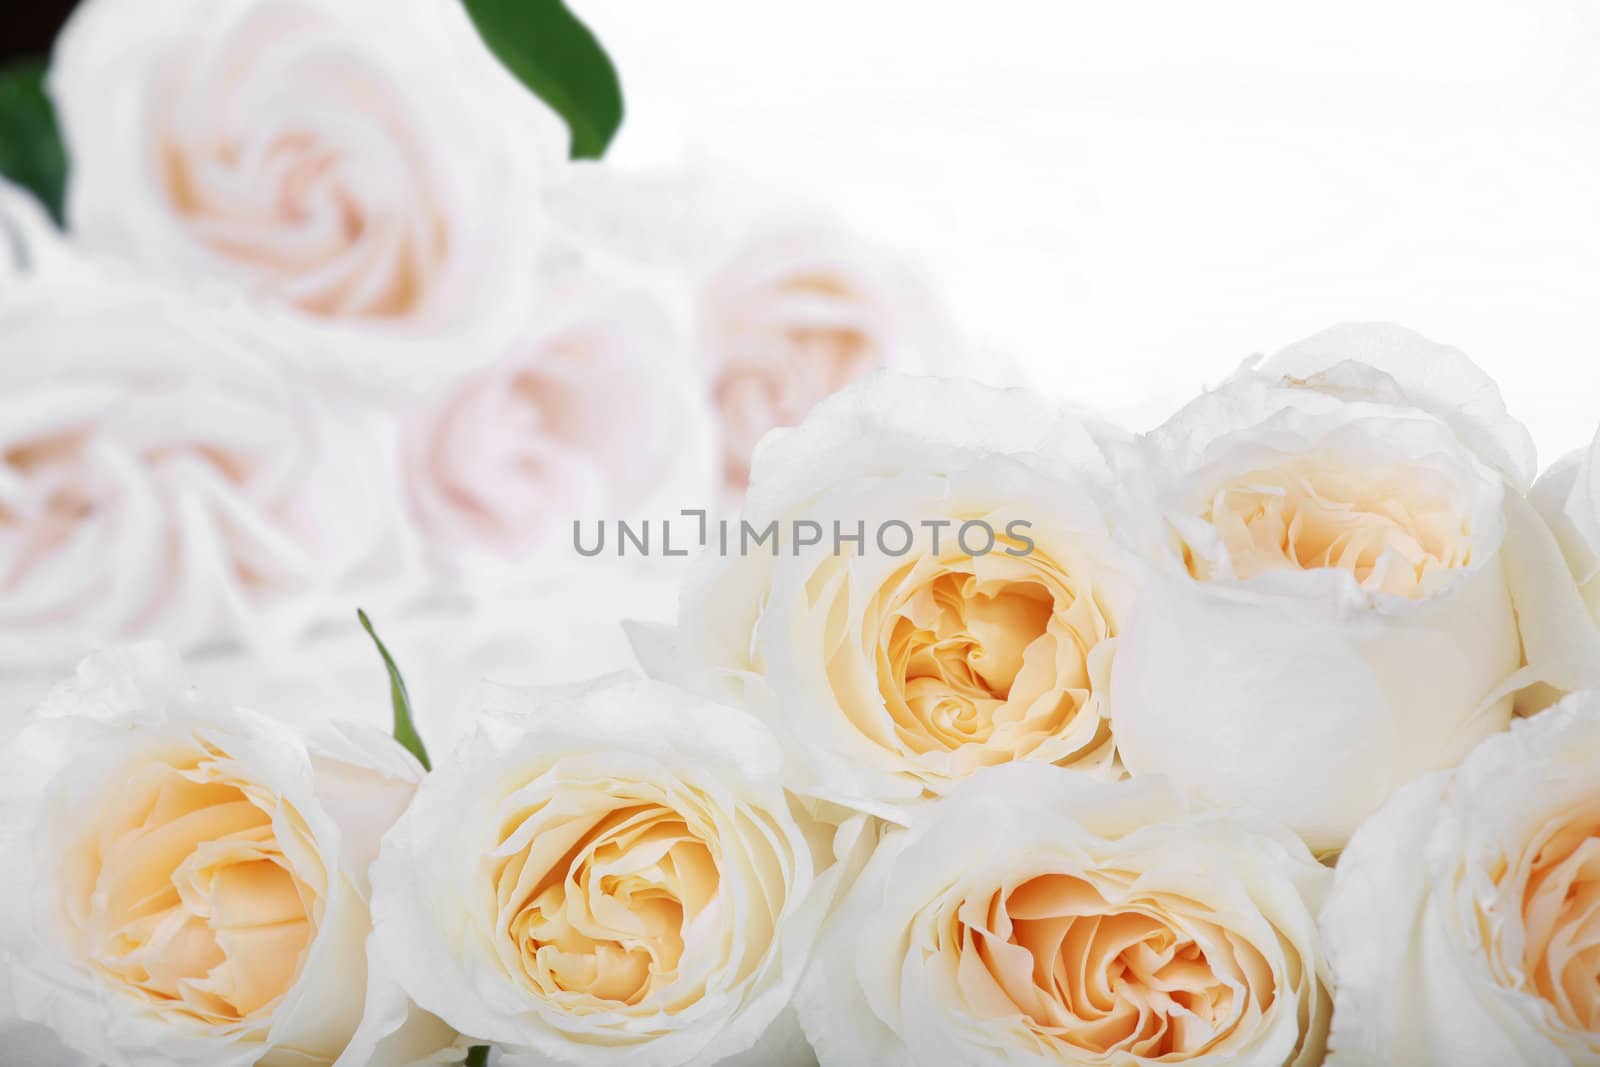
(1130, 197)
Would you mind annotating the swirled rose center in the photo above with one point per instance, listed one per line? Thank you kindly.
(986, 658)
(1128, 978)
(1561, 922)
(595, 907)
(1393, 534)
(201, 892)
(299, 168)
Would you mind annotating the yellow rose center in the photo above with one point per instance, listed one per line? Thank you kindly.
(987, 658)
(1391, 533)
(1561, 921)
(593, 907)
(202, 891)
(1130, 978)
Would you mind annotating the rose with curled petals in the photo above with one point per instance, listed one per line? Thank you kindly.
(594, 415)
(160, 478)
(610, 874)
(1464, 922)
(189, 880)
(1035, 917)
(364, 165)
(893, 669)
(1346, 528)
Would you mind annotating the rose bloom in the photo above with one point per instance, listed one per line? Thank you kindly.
(606, 874)
(1462, 927)
(594, 415)
(891, 675)
(187, 882)
(367, 166)
(1038, 917)
(1568, 496)
(796, 314)
(1341, 554)
(159, 478)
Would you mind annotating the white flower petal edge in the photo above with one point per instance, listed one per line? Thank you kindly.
(30, 243)
(154, 839)
(988, 932)
(1371, 590)
(1386, 363)
(1568, 497)
(606, 874)
(366, 166)
(1460, 927)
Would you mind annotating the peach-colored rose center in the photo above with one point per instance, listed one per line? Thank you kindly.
(1127, 978)
(314, 186)
(986, 659)
(594, 906)
(201, 891)
(1394, 536)
(1561, 920)
(801, 339)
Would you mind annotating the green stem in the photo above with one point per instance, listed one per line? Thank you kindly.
(478, 1056)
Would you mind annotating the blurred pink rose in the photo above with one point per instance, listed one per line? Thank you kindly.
(367, 166)
(593, 417)
(797, 315)
(159, 478)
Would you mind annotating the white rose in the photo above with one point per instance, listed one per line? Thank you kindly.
(895, 667)
(797, 313)
(187, 882)
(159, 478)
(1568, 496)
(608, 874)
(594, 415)
(1339, 576)
(365, 165)
(1036, 917)
(1462, 927)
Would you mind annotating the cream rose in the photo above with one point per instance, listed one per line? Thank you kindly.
(1037, 917)
(158, 478)
(1341, 560)
(798, 313)
(593, 416)
(1568, 496)
(973, 623)
(365, 165)
(607, 874)
(1462, 927)
(188, 881)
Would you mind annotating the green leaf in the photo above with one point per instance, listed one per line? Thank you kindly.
(30, 144)
(556, 56)
(405, 731)
(478, 1056)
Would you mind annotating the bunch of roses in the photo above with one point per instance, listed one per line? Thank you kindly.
(334, 317)
(1277, 743)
